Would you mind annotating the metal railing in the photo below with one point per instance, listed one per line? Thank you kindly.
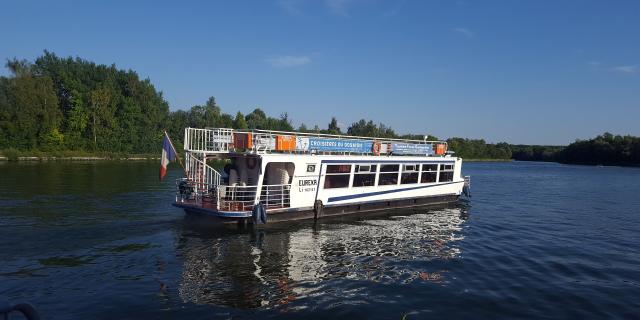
(220, 140)
(208, 140)
(201, 173)
(276, 196)
(339, 136)
(232, 198)
(236, 198)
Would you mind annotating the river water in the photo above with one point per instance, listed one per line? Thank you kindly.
(100, 240)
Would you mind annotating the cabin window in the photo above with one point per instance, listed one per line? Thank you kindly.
(446, 167)
(388, 174)
(340, 168)
(446, 172)
(364, 176)
(429, 173)
(389, 168)
(410, 173)
(367, 168)
(430, 167)
(337, 176)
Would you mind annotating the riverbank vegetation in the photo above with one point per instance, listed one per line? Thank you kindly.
(12, 154)
(70, 107)
(605, 149)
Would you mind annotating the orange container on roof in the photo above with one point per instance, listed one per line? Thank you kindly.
(441, 148)
(242, 140)
(285, 143)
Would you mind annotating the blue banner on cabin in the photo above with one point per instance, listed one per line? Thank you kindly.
(337, 145)
(411, 148)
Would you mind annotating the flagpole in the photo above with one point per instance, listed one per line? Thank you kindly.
(176, 152)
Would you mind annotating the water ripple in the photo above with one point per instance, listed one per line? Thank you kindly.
(100, 240)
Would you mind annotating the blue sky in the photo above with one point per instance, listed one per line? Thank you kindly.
(539, 72)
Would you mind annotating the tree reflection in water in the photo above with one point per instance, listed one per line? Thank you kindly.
(277, 265)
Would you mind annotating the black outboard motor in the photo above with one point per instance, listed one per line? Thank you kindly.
(185, 188)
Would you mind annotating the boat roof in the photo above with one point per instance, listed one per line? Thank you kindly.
(218, 141)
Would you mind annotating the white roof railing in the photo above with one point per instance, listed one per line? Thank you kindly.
(339, 136)
(224, 140)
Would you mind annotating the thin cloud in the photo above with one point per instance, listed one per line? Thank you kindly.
(290, 6)
(336, 7)
(627, 69)
(288, 61)
(339, 7)
(396, 9)
(465, 32)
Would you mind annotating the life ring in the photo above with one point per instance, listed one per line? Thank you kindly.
(251, 162)
(375, 148)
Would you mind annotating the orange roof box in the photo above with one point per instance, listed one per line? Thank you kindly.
(285, 143)
(242, 140)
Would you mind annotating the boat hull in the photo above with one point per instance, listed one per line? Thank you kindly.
(292, 214)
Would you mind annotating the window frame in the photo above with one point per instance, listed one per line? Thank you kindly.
(415, 170)
(327, 175)
(389, 173)
(371, 171)
(429, 169)
(448, 169)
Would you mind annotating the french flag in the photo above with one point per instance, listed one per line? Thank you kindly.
(168, 155)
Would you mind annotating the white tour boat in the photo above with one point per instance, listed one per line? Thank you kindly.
(276, 176)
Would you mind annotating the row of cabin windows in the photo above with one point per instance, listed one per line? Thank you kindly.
(338, 176)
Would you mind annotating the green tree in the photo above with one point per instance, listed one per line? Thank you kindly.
(29, 114)
(256, 119)
(101, 113)
(369, 129)
(239, 122)
(333, 127)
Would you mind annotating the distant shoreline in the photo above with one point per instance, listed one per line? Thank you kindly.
(143, 158)
(3, 158)
(15, 155)
(487, 160)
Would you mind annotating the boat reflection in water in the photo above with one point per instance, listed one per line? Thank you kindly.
(292, 265)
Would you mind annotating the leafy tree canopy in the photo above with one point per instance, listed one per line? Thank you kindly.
(56, 103)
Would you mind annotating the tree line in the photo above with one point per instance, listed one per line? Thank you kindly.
(56, 103)
(605, 149)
